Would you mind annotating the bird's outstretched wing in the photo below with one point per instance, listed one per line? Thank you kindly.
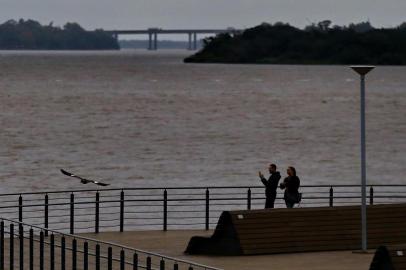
(101, 184)
(68, 173)
(83, 180)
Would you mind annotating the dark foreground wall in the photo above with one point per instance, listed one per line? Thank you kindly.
(302, 229)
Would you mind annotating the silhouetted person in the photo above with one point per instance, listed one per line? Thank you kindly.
(270, 185)
(291, 185)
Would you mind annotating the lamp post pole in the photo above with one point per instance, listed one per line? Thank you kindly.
(362, 71)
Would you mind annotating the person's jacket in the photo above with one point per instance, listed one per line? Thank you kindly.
(292, 184)
(272, 183)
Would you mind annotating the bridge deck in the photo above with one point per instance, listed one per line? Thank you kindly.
(172, 31)
(173, 243)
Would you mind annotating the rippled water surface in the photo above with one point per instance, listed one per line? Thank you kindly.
(145, 119)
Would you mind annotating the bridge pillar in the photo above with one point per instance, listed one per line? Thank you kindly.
(190, 41)
(150, 41)
(194, 41)
(155, 41)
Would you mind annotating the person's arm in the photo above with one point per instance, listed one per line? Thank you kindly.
(283, 184)
(263, 180)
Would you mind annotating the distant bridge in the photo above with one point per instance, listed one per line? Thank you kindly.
(153, 34)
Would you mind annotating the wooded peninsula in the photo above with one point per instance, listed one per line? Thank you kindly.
(31, 35)
(320, 43)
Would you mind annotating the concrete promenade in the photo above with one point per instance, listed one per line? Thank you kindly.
(173, 243)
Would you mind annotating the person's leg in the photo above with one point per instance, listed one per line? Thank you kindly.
(288, 201)
(272, 201)
(268, 202)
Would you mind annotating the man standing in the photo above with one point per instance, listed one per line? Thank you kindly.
(270, 185)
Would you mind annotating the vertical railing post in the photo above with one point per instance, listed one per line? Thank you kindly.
(21, 246)
(122, 260)
(249, 199)
(63, 253)
(165, 210)
(149, 263)
(122, 211)
(2, 245)
(331, 197)
(31, 249)
(110, 258)
(72, 213)
(20, 208)
(52, 252)
(371, 195)
(85, 256)
(97, 214)
(97, 258)
(41, 250)
(162, 265)
(135, 261)
(74, 254)
(207, 208)
(11, 247)
(46, 214)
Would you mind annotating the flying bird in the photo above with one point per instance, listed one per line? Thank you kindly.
(84, 180)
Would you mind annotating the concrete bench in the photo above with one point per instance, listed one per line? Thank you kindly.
(302, 229)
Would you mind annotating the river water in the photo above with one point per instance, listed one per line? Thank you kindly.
(144, 119)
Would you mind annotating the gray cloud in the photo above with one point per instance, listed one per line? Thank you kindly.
(117, 14)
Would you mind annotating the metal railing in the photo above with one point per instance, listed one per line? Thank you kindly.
(77, 211)
(23, 246)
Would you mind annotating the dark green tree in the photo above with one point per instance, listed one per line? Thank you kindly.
(317, 44)
(29, 34)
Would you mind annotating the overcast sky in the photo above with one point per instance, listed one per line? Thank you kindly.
(138, 14)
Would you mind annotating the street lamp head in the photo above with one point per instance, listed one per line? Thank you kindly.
(362, 70)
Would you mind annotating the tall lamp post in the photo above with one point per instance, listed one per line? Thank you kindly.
(362, 71)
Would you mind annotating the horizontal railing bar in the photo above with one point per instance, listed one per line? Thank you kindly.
(55, 216)
(149, 218)
(140, 225)
(185, 188)
(109, 206)
(140, 212)
(106, 220)
(182, 200)
(9, 212)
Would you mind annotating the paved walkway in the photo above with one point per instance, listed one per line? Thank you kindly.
(173, 243)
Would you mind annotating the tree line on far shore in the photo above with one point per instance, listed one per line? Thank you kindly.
(320, 43)
(31, 35)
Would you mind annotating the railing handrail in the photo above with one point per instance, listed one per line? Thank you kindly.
(111, 244)
(186, 188)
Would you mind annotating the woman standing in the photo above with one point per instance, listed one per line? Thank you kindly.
(291, 185)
